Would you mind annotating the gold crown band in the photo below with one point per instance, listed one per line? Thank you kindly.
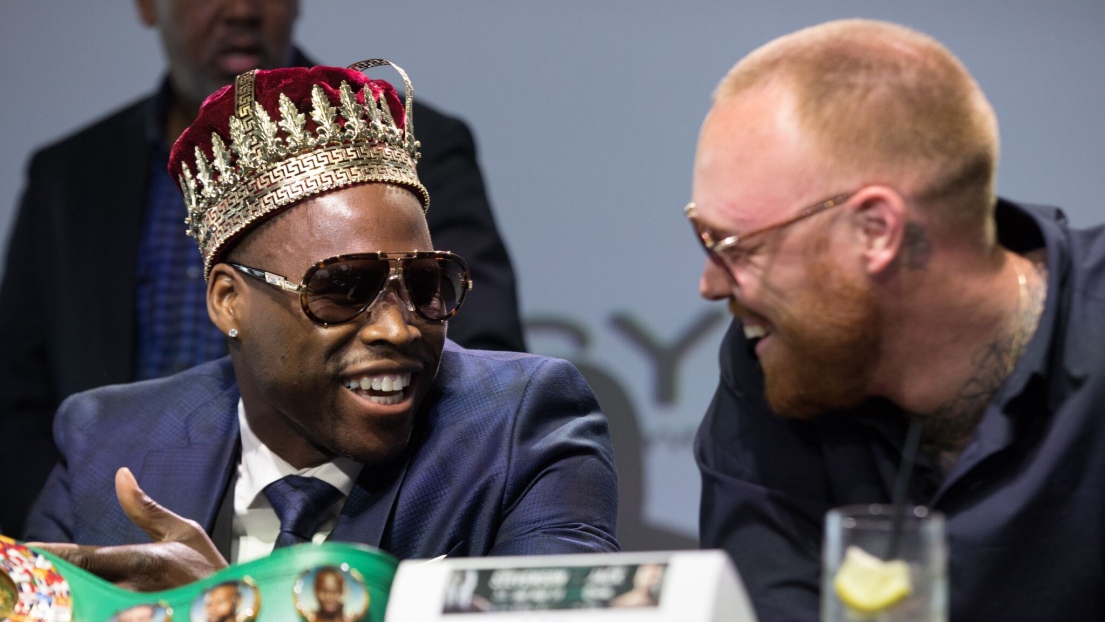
(261, 172)
(243, 95)
(296, 179)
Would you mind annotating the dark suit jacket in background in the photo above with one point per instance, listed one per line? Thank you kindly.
(67, 302)
(510, 456)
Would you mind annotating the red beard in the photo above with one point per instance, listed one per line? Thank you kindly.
(826, 345)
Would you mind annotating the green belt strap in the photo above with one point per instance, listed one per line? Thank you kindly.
(38, 587)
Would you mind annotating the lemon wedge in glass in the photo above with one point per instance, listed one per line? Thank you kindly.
(868, 584)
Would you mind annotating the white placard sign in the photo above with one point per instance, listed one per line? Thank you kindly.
(690, 586)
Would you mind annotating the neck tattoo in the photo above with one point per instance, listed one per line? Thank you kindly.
(950, 426)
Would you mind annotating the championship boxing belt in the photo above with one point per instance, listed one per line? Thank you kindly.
(352, 582)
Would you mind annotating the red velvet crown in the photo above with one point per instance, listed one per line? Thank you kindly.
(277, 137)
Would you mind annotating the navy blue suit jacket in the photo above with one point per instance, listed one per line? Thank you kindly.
(510, 456)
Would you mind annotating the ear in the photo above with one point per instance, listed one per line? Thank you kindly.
(225, 303)
(881, 218)
(147, 11)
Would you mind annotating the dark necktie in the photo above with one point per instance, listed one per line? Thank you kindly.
(301, 504)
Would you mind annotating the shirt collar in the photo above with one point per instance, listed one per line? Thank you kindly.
(1022, 229)
(261, 467)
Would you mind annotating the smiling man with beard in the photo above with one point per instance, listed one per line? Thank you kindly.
(844, 194)
(343, 411)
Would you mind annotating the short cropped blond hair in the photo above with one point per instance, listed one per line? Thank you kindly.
(885, 104)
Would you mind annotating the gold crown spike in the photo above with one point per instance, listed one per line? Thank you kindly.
(293, 124)
(222, 159)
(322, 113)
(353, 112)
(270, 164)
(272, 148)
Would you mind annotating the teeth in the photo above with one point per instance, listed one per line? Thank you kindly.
(754, 331)
(382, 382)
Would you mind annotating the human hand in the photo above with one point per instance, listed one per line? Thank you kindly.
(181, 551)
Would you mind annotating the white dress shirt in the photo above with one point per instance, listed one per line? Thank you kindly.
(256, 526)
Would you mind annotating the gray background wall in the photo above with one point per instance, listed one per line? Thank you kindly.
(586, 114)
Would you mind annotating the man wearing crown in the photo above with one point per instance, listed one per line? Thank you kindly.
(100, 221)
(343, 412)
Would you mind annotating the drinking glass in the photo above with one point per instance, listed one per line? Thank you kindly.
(920, 544)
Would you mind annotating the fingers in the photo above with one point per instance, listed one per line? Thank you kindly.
(181, 552)
(140, 567)
(110, 563)
(139, 508)
(161, 524)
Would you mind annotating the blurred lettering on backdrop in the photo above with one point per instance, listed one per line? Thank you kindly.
(629, 412)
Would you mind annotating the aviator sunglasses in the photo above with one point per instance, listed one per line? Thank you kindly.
(337, 290)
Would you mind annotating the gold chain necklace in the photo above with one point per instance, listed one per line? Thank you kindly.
(1022, 298)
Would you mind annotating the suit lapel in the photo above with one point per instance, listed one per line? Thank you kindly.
(365, 516)
(190, 481)
(368, 513)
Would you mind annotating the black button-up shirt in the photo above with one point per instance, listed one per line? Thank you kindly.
(1025, 502)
